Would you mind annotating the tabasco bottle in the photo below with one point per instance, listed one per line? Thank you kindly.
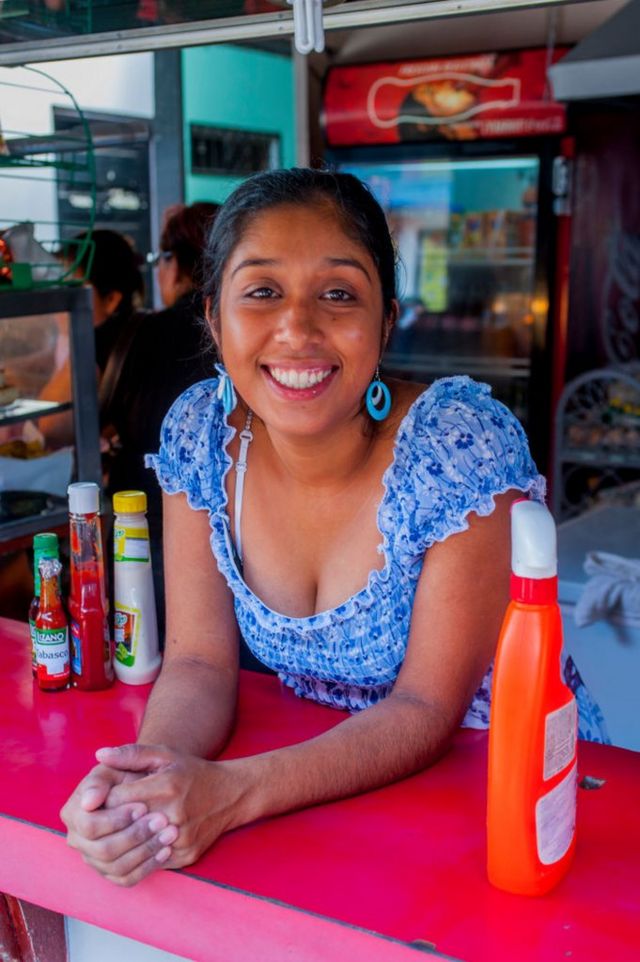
(52, 632)
(91, 645)
(45, 545)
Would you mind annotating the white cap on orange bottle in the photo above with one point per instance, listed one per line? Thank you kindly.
(84, 497)
(533, 540)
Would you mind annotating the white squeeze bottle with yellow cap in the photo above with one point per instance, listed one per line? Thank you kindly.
(135, 624)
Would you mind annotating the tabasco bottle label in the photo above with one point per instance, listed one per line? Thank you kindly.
(52, 650)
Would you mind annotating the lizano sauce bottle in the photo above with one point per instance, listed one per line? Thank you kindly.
(533, 727)
(45, 545)
(91, 646)
(52, 633)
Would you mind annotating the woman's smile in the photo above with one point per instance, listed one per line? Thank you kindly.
(301, 382)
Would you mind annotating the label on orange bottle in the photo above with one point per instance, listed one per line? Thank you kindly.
(556, 819)
(560, 733)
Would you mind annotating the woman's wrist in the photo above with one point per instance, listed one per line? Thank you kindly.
(250, 779)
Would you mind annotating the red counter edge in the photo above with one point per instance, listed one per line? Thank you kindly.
(38, 866)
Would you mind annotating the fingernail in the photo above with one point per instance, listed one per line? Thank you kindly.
(157, 822)
(138, 812)
(169, 835)
(163, 855)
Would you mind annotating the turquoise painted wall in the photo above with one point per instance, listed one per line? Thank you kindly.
(228, 86)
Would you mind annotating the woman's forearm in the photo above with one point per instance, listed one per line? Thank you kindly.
(191, 708)
(389, 741)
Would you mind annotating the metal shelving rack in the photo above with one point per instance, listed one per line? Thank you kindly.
(76, 301)
(597, 438)
(44, 253)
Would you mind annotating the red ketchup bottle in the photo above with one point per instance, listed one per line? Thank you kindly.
(51, 631)
(91, 644)
(531, 812)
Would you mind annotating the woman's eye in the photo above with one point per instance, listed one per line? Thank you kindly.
(262, 293)
(338, 294)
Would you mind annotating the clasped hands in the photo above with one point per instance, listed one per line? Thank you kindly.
(147, 807)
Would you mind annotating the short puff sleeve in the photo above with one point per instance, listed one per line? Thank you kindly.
(192, 442)
(458, 449)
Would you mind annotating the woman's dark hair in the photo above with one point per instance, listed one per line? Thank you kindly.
(184, 234)
(361, 216)
(114, 267)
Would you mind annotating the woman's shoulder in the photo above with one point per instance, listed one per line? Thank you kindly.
(197, 403)
(459, 400)
(458, 430)
(195, 421)
(456, 449)
(192, 444)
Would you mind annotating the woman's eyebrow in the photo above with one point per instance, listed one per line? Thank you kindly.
(254, 262)
(348, 262)
(271, 262)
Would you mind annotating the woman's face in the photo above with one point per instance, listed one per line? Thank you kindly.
(168, 278)
(300, 323)
(104, 305)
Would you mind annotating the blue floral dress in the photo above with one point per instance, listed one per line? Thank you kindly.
(455, 450)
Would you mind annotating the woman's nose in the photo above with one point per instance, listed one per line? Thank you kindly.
(298, 325)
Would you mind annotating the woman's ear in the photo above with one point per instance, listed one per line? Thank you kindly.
(389, 323)
(213, 322)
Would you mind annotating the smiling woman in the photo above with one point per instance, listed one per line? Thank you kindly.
(301, 332)
(374, 568)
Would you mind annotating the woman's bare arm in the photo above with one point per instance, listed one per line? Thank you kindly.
(190, 710)
(458, 608)
(192, 705)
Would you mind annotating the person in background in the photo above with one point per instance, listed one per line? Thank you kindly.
(166, 352)
(118, 290)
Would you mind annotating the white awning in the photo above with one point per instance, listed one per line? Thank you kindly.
(606, 63)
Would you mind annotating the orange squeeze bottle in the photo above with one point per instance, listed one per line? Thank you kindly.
(531, 807)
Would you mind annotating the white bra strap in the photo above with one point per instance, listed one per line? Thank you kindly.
(246, 437)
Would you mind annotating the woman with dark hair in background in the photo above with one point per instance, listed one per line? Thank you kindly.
(167, 352)
(111, 267)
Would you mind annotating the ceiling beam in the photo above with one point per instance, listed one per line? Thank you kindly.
(368, 13)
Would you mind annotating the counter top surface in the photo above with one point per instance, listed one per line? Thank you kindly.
(406, 862)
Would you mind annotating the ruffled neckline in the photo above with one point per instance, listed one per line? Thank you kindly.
(220, 524)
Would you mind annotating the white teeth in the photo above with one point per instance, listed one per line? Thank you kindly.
(298, 380)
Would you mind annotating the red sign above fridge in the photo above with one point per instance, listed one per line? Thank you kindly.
(481, 96)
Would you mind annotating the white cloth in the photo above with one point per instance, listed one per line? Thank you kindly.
(613, 588)
(50, 473)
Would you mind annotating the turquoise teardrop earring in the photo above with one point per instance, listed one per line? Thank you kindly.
(226, 391)
(378, 398)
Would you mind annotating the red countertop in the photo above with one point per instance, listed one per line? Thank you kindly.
(403, 863)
